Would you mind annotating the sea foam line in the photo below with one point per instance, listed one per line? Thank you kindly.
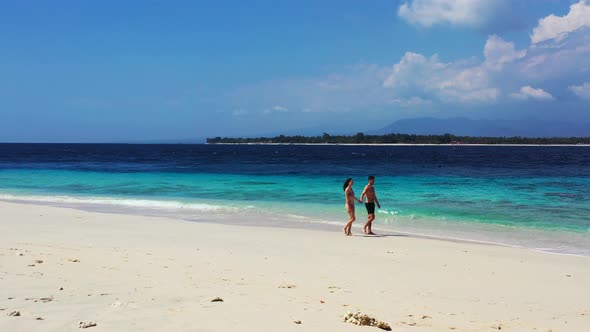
(124, 202)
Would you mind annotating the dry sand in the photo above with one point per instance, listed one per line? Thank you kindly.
(60, 267)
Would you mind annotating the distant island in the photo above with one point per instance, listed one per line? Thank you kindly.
(361, 138)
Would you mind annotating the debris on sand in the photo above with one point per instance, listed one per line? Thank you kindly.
(297, 321)
(85, 325)
(14, 313)
(44, 299)
(73, 260)
(38, 261)
(359, 318)
(40, 299)
(287, 286)
(217, 299)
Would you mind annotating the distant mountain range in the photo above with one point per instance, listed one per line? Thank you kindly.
(491, 128)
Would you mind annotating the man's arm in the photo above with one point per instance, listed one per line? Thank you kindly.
(376, 200)
(364, 193)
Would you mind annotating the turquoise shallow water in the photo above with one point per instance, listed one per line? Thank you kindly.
(542, 205)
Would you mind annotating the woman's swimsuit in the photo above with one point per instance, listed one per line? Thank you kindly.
(351, 193)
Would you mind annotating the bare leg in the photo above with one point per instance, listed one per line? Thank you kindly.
(348, 228)
(367, 227)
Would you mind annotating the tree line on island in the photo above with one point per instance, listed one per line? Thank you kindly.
(361, 138)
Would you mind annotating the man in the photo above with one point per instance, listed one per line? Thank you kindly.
(369, 193)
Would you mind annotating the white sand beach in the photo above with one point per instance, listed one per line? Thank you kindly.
(60, 267)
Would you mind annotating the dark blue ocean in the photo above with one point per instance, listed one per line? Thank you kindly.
(530, 196)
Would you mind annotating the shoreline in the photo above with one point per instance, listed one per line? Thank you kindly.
(400, 144)
(474, 233)
(305, 144)
(128, 272)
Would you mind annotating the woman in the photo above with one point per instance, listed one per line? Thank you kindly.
(350, 198)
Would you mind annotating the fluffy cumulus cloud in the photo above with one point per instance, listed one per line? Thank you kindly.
(461, 81)
(558, 27)
(528, 92)
(449, 82)
(582, 91)
(454, 12)
(499, 52)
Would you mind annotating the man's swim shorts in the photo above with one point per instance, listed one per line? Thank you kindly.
(370, 208)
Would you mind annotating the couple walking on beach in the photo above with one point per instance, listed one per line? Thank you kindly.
(371, 200)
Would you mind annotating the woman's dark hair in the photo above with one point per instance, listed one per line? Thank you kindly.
(346, 183)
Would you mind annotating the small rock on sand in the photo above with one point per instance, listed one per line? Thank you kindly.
(73, 260)
(14, 313)
(85, 325)
(217, 299)
(297, 321)
(38, 261)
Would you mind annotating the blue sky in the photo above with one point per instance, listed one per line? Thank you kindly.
(107, 71)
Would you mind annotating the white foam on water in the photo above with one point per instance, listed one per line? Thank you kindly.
(123, 202)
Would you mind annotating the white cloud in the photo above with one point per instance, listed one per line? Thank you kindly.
(528, 92)
(558, 27)
(499, 52)
(463, 81)
(455, 12)
(410, 102)
(582, 91)
(276, 109)
(567, 60)
(460, 81)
